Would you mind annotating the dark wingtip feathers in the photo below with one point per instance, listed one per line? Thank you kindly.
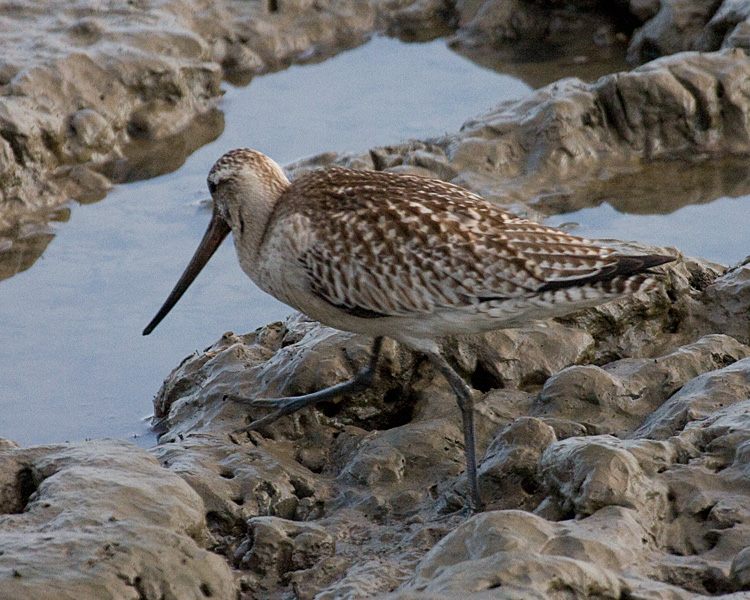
(627, 265)
(624, 267)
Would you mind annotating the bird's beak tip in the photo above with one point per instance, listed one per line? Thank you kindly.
(217, 230)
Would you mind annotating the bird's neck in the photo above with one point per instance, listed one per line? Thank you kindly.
(250, 225)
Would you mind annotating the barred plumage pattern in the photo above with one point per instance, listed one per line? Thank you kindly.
(384, 245)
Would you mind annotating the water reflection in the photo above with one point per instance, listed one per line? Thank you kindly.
(702, 208)
(23, 245)
(538, 65)
(146, 159)
(658, 188)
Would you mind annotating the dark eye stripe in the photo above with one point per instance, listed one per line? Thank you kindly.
(211, 186)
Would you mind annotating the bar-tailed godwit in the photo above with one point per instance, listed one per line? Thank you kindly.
(406, 257)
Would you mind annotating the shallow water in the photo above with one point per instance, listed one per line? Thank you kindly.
(703, 208)
(74, 363)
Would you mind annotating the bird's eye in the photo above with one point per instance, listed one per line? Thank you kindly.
(212, 186)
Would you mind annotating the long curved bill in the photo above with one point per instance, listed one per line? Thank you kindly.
(218, 229)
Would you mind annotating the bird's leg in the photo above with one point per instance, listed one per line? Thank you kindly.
(466, 404)
(289, 405)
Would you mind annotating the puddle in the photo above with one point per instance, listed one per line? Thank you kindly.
(74, 363)
(703, 208)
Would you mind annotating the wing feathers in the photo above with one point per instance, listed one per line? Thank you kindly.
(383, 245)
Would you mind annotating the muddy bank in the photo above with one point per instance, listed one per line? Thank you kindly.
(612, 446)
(101, 519)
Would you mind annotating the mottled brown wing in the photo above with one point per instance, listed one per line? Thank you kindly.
(408, 245)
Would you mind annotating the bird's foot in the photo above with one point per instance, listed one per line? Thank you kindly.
(283, 406)
(264, 402)
(457, 505)
(291, 404)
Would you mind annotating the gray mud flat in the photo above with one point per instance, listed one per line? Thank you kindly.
(615, 441)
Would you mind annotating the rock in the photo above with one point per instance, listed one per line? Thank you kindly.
(586, 474)
(619, 396)
(676, 27)
(102, 519)
(278, 546)
(616, 109)
(238, 482)
(708, 496)
(728, 27)
(494, 360)
(508, 471)
(697, 399)
(728, 302)
(516, 554)
(740, 570)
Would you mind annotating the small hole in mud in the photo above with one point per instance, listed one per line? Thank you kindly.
(712, 539)
(206, 590)
(672, 323)
(675, 551)
(222, 526)
(700, 281)
(484, 380)
(227, 474)
(397, 410)
(137, 129)
(238, 500)
(405, 408)
(273, 6)
(25, 483)
(650, 51)
(529, 485)
(533, 382)
(704, 512)
(606, 358)
(25, 487)
(302, 489)
(713, 582)
(722, 360)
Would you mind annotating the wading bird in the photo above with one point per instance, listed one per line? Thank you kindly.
(406, 257)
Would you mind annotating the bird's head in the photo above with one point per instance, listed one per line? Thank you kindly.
(245, 186)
